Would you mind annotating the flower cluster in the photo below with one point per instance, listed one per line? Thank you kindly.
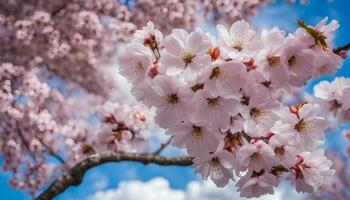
(334, 97)
(221, 100)
(187, 13)
(55, 60)
(124, 127)
(337, 186)
(231, 10)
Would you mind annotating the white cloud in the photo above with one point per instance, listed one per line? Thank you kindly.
(158, 188)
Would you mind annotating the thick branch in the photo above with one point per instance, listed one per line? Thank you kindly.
(76, 174)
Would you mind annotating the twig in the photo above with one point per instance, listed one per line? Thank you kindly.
(24, 141)
(123, 127)
(76, 174)
(51, 152)
(55, 12)
(163, 146)
(344, 47)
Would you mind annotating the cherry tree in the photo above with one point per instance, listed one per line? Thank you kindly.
(219, 98)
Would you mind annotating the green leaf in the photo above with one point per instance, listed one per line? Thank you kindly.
(319, 38)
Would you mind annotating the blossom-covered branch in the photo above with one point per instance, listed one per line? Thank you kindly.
(222, 100)
(218, 98)
(55, 76)
(74, 176)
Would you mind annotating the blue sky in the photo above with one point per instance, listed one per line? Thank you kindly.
(277, 14)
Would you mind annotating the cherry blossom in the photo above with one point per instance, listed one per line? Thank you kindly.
(197, 140)
(220, 109)
(185, 52)
(256, 156)
(306, 127)
(217, 165)
(269, 58)
(295, 56)
(135, 66)
(226, 78)
(220, 98)
(255, 184)
(310, 170)
(334, 97)
(223, 102)
(240, 38)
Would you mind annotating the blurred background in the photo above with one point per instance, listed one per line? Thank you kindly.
(129, 181)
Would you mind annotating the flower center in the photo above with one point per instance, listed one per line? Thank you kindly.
(214, 163)
(197, 133)
(171, 98)
(137, 66)
(292, 61)
(300, 167)
(238, 44)
(150, 41)
(274, 61)
(255, 156)
(197, 86)
(335, 105)
(233, 141)
(215, 73)
(245, 100)
(279, 150)
(254, 112)
(187, 57)
(301, 126)
(214, 101)
(257, 174)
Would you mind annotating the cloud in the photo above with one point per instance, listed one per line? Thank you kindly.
(159, 188)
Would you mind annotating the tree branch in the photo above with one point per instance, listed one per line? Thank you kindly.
(74, 176)
(51, 151)
(24, 142)
(344, 47)
(163, 146)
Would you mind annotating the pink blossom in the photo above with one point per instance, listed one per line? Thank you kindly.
(296, 55)
(220, 109)
(269, 58)
(240, 39)
(218, 166)
(310, 170)
(198, 140)
(256, 156)
(185, 53)
(255, 184)
(135, 61)
(171, 100)
(334, 96)
(306, 126)
(226, 79)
